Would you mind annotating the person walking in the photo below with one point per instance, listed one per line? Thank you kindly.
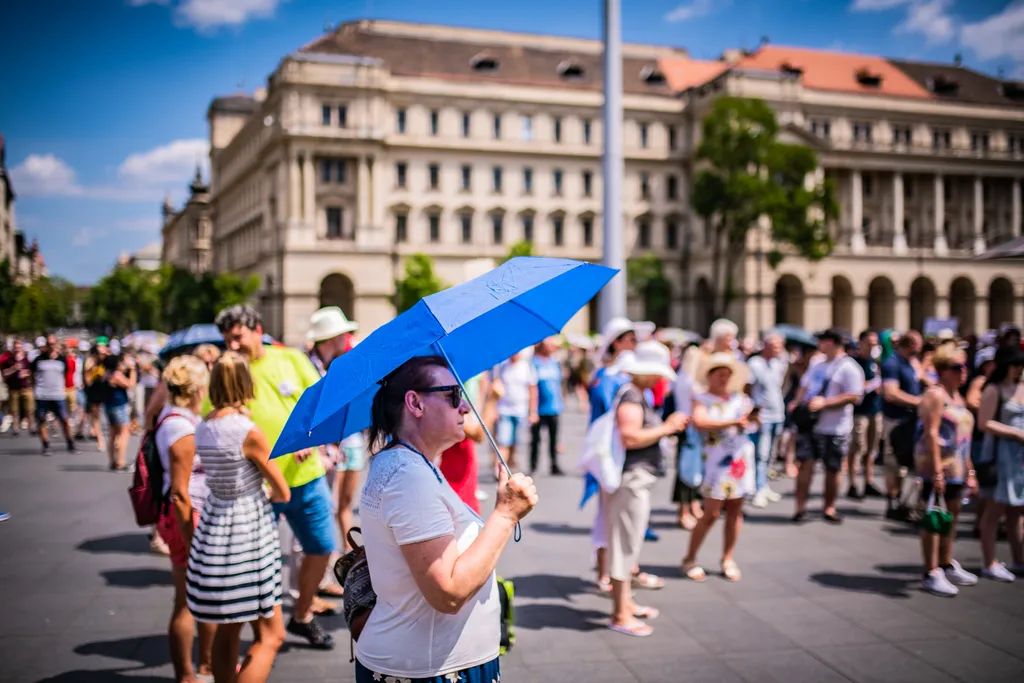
(516, 405)
(828, 391)
(49, 373)
(548, 371)
(867, 419)
(901, 396)
(280, 375)
(17, 374)
(234, 562)
(431, 559)
(767, 376)
(119, 377)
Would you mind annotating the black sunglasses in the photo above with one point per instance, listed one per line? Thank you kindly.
(956, 367)
(455, 389)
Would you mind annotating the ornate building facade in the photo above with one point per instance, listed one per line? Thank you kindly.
(186, 234)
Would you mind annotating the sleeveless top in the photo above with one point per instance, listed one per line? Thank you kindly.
(955, 430)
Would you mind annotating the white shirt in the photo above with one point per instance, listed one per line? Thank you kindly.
(403, 502)
(829, 379)
(181, 423)
(517, 377)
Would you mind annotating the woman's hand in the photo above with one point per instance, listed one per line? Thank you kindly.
(676, 422)
(939, 482)
(516, 495)
(972, 482)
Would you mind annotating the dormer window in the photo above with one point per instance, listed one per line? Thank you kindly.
(869, 79)
(941, 85)
(652, 75)
(789, 70)
(484, 62)
(1013, 91)
(571, 70)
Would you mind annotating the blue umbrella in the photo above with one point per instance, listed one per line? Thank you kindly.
(795, 335)
(474, 326)
(207, 333)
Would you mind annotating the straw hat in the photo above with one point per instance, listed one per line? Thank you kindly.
(329, 322)
(720, 360)
(651, 358)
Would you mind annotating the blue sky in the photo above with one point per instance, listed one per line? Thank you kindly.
(104, 101)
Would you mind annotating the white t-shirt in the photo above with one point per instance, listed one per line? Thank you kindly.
(403, 502)
(181, 423)
(829, 379)
(517, 377)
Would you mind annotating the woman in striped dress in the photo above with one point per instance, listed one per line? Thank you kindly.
(234, 564)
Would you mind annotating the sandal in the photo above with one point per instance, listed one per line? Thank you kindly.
(604, 585)
(637, 628)
(332, 590)
(644, 612)
(324, 608)
(647, 581)
(694, 572)
(730, 571)
(689, 523)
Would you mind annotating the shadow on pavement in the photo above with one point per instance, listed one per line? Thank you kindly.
(550, 586)
(866, 583)
(102, 676)
(564, 529)
(135, 543)
(538, 617)
(144, 652)
(138, 578)
(84, 468)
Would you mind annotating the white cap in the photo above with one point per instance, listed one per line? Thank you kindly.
(984, 355)
(84, 346)
(329, 322)
(114, 346)
(651, 358)
(616, 327)
(40, 342)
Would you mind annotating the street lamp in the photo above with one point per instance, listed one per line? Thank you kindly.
(612, 300)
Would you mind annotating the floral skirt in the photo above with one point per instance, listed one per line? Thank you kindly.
(488, 672)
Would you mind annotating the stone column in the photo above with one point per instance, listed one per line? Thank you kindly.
(309, 191)
(941, 306)
(364, 196)
(857, 243)
(980, 313)
(860, 314)
(899, 239)
(941, 243)
(979, 216)
(294, 203)
(901, 312)
(1015, 227)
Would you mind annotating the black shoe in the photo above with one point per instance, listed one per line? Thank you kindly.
(557, 472)
(71, 447)
(832, 519)
(46, 449)
(799, 518)
(852, 493)
(317, 637)
(898, 514)
(872, 491)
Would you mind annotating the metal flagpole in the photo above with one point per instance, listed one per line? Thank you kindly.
(612, 301)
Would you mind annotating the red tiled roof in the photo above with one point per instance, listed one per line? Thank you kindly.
(683, 73)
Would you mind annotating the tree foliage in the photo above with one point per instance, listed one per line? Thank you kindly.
(645, 275)
(748, 173)
(520, 248)
(8, 294)
(43, 305)
(420, 280)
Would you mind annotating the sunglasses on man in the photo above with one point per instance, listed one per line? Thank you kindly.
(456, 393)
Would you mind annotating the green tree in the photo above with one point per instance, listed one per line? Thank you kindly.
(38, 308)
(646, 277)
(420, 280)
(126, 299)
(520, 248)
(9, 292)
(747, 173)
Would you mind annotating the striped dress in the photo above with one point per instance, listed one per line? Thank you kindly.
(234, 564)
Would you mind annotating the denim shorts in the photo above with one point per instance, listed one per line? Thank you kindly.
(310, 514)
(352, 459)
(58, 408)
(118, 416)
(508, 430)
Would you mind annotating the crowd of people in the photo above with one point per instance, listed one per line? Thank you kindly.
(724, 417)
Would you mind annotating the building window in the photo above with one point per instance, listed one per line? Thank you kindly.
(467, 176)
(527, 128)
(400, 173)
(643, 233)
(497, 126)
(586, 132)
(588, 232)
(342, 116)
(865, 185)
(342, 171)
(558, 230)
(465, 125)
(862, 132)
(901, 135)
(497, 178)
(643, 135)
(434, 121)
(528, 228)
(941, 139)
(979, 142)
(947, 189)
(434, 227)
(334, 217)
(466, 223)
(498, 228)
(527, 181)
(671, 233)
(400, 121)
(401, 228)
(588, 184)
(672, 142)
(435, 176)
(908, 187)
(325, 170)
(556, 177)
(325, 115)
(821, 128)
(557, 132)
(645, 186)
(672, 187)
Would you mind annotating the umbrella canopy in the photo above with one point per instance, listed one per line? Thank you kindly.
(474, 325)
(144, 339)
(207, 333)
(795, 335)
(1014, 249)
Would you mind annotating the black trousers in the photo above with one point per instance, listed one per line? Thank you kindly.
(549, 422)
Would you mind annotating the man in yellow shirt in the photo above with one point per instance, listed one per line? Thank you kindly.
(280, 375)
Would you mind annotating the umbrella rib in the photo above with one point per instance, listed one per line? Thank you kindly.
(534, 314)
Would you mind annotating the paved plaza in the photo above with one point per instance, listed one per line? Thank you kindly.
(83, 598)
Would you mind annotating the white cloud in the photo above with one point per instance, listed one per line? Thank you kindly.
(205, 15)
(146, 224)
(86, 236)
(142, 177)
(1000, 35)
(876, 5)
(697, 8)
(930, 20)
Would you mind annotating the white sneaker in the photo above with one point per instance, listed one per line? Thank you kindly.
(760, 500)
(959, 576)
(936, 583)
(998, 572)
(772, 496)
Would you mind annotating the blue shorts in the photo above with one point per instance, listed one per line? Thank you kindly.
(59, 409)
(118, 416)
(310, 514)
(488, 672)
(508, 430)
(352, 459)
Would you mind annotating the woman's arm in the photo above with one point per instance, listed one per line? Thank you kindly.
(704, 423)
(629, 417)
(182, 455)
(973, 397)
(156, 404)
(988, 420)
(256, 448)
(930, 412)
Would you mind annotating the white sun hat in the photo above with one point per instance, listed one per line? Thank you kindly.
(651, 358)
(616, 327)
(329, 322)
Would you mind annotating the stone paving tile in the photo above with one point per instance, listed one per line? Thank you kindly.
(695, 669)
(805, 623)
(880, 663)
(968, 660)
(782, 667)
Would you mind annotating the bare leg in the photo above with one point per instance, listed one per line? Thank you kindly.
(602, 563)
(929, 551)
(257, 664)
(623, 607)
(803, 485)
(733, 525)
(946, 542)
(831, 491)
(180, 630)
(122, 444)
(712, 510)
(226, 645)
(347, 483)
(989, 530)
(311, 573)
(1015, 534)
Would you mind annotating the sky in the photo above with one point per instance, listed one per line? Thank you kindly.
(103, 102)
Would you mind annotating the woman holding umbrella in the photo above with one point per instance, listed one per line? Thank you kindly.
(431, 558)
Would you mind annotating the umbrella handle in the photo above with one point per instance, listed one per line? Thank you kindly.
(518, 534)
